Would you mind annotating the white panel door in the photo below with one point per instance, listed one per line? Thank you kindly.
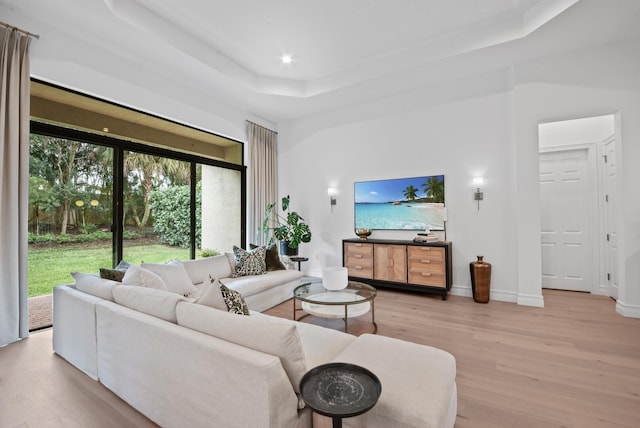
(565, 233)
(611, 246)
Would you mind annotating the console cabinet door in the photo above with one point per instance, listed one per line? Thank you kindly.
(358, 259)
(390, 262)
(427, 266)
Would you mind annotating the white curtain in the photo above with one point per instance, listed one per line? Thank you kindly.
(263, 171)
(14, 184)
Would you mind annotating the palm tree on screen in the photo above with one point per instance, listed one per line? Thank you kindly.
(434, 188)
(410, 193)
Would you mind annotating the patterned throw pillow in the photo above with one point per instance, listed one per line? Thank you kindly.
(115, 274)
(272, 258)
(112, 274)
(250, 262)
(234, 301)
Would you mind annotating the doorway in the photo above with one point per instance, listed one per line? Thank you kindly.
(577, 202)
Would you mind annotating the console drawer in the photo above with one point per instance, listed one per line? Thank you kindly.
(433, 279)
(358, 259)
(429, 253)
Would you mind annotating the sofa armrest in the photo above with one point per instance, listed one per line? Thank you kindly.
(74, 328)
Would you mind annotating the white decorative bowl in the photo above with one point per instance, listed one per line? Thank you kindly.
(335, 278)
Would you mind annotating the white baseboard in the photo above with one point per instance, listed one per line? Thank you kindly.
(531, 300)
(627, 310)
(498, 295)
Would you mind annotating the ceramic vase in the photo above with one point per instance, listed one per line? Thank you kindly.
(480, 280)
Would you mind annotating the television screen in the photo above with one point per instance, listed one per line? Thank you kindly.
(400, 204)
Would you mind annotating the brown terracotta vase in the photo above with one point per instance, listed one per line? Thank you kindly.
(480, 280)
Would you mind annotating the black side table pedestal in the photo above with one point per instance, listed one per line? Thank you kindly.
(340, 390)
(299, 260)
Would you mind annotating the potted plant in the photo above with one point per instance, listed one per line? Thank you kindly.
(290, 229)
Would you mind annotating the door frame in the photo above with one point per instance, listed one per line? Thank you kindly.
(596, 265)
(605, 221)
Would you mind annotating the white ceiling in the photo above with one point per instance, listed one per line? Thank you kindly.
(344, 52)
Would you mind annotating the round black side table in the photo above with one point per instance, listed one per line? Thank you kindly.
(299, 260)
(340, 390)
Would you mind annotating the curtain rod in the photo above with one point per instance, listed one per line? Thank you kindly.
(260, 126)
(4, 24)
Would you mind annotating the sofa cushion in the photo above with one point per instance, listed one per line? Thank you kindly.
(249, 262)
(157, 303)
(259, 333)
(431, 372)
(233, 300)
(254, 284)
(271, 258)
(115, 274)
(211, 295)
(94, 285)
(217, 266)
(174, 276)
(320, 345)
(143, 277)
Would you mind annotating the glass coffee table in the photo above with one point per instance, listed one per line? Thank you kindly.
(353, 301)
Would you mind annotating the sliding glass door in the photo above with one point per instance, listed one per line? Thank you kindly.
(70, 210)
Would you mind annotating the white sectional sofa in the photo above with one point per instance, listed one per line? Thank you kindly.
(182, 363)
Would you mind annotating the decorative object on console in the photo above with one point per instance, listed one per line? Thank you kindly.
(415, 203)
(426, 237)
(291, 230)
(335, 278)
(480, 280)
(363, 233)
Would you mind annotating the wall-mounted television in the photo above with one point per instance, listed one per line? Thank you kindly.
(415, 203)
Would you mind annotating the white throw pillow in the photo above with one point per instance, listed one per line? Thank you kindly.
(94, 285)
(143, 277)
(211, 295)
(259, 333)
(216, 266)
(157, 303)
(174, 276)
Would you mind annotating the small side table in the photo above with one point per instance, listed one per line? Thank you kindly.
(340, 390)
(299, 260)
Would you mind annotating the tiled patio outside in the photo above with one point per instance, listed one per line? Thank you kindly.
(40, 312)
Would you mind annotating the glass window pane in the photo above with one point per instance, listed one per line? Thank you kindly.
(156, 208)
(70, 212)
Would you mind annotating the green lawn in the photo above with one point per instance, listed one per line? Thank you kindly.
(51, 266)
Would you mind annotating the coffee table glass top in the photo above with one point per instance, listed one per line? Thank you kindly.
(354, 293)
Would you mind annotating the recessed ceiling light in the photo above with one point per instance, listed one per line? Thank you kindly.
(286, 59)
(105, 129)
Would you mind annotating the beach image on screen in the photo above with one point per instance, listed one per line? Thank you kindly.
(400, 204)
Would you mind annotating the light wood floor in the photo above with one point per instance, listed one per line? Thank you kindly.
(573, 363)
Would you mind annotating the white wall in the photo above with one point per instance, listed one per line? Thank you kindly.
(460, 140)
(577, 131)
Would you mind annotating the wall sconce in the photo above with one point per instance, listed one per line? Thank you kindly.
(332, 196)
(478, 195)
